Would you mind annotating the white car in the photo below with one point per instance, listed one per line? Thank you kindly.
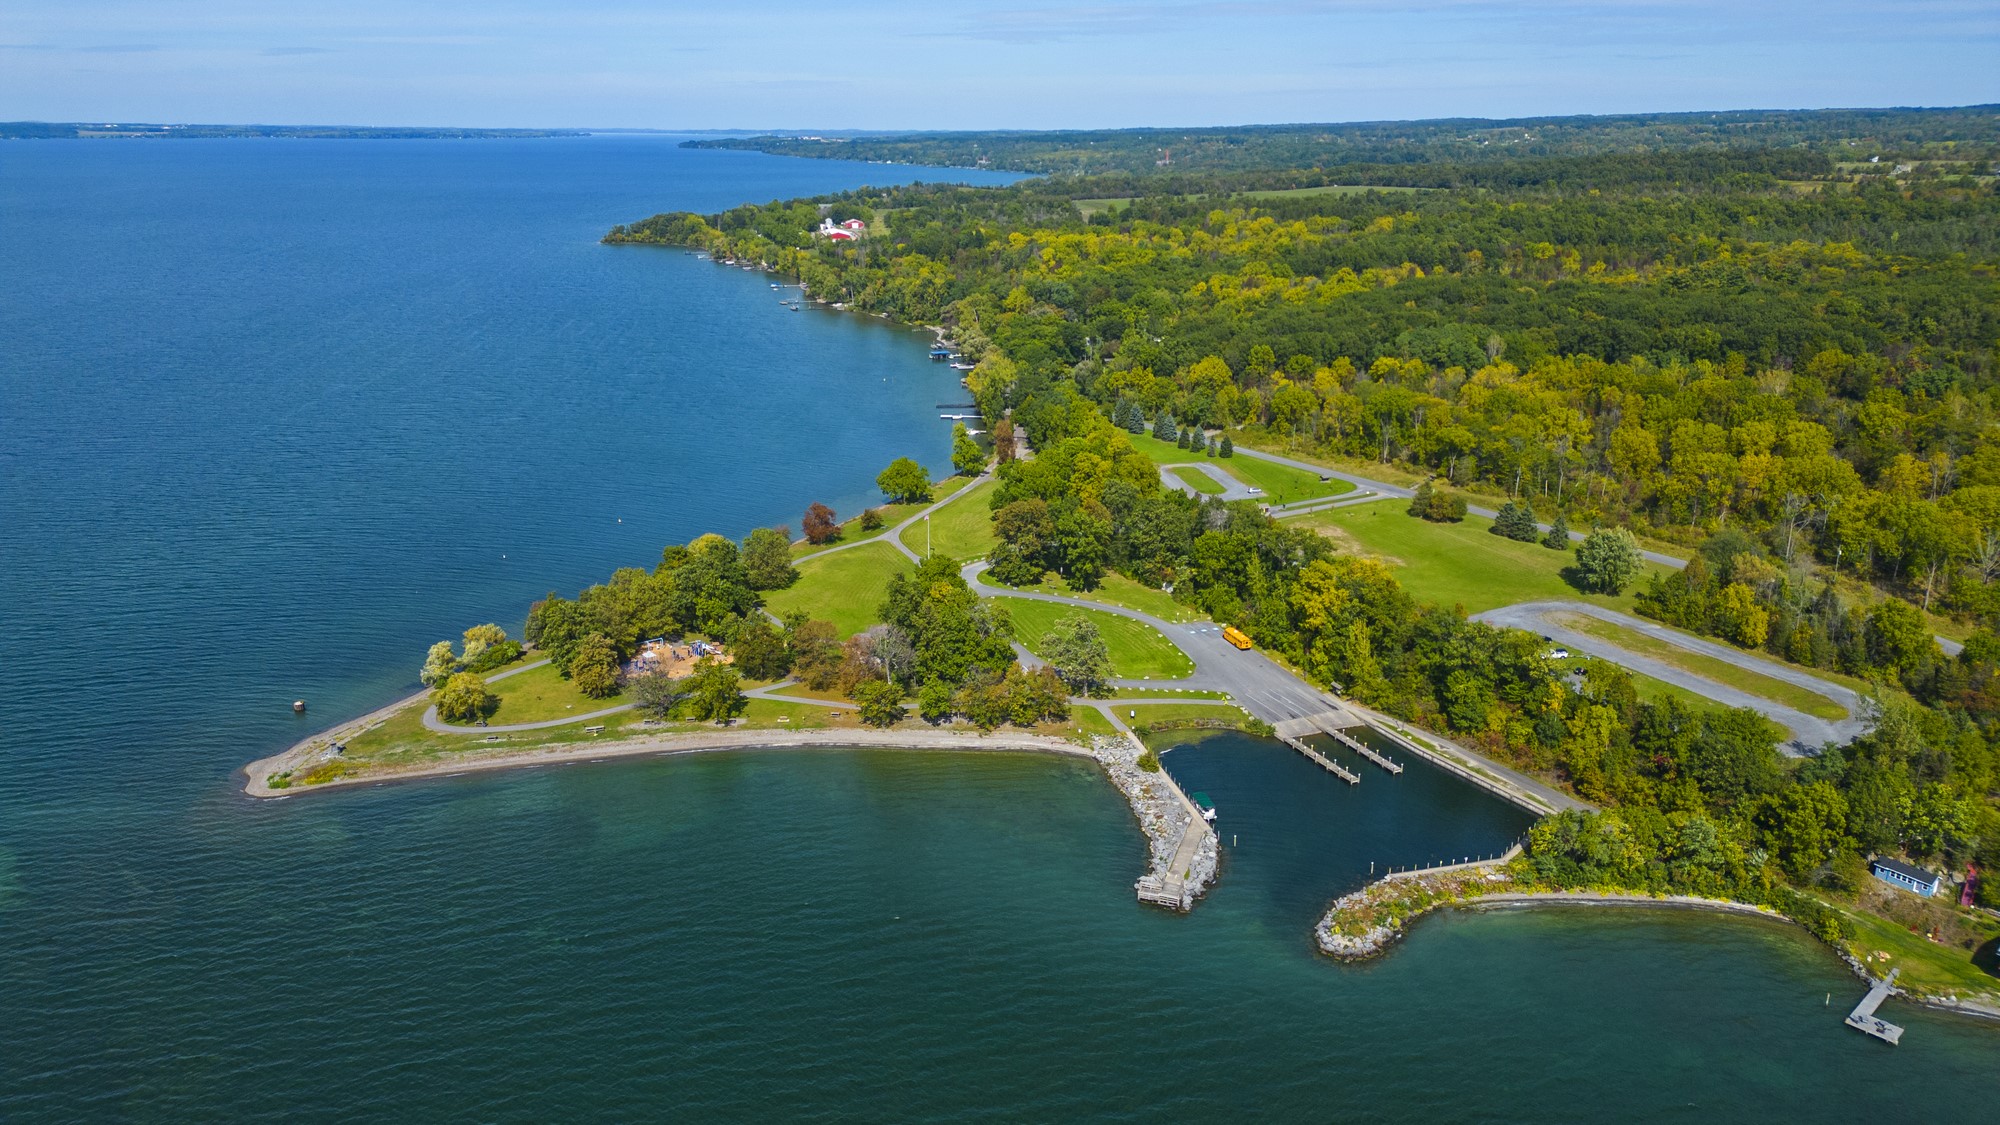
(1558, 654)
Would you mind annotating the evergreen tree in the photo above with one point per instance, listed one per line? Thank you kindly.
(1420, 504)
(1211, 447)
(1228, 447)
(1558, 537)
(1516, 521)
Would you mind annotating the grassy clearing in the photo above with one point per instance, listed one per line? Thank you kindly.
(1090, 721)
(1328, 189)
(1114, 204)
(847, 588)
(1650, 690)
(1157, 716)
(892, 514)
(1929, 968)
(1199, 481)
(1707, 667)
(1137, 650)
(1458, 563)
(1282, 446)
(1091, 207)
(962, 529)
(1282, 484)
(1118, 590)
(540, 694)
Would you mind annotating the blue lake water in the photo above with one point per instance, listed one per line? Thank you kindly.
(275, 415)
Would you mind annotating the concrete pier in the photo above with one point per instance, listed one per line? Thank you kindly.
(1863, 1017)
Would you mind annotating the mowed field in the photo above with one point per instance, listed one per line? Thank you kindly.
(846, 587)
(1459, 563)
(962, 529)
(1282, 484)
(1137, 650)
(1116, 589)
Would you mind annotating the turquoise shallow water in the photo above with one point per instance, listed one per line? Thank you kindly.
(270, 415)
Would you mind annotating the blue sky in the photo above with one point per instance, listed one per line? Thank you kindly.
(974, 63)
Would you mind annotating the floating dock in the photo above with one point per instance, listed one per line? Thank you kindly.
(1864, 1019)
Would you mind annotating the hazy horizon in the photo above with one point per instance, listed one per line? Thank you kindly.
(978, 64)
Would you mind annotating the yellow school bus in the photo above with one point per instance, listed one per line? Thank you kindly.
(1236, 637)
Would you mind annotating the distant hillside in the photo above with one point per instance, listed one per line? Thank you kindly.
(1840, 134)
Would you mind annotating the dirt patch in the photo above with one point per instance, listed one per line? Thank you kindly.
(1348, 544)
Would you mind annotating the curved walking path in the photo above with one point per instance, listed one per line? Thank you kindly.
(1809, 732)
(894, 533)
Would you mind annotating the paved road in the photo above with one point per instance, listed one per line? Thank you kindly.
(1809, 732)
(1258, 685)
(1232, 489)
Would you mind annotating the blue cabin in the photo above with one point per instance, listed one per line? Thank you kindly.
(1899, 874)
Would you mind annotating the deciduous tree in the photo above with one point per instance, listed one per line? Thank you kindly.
(767, 559)
(820, 526)
(594, 670)
(463, 699)
(905, 482)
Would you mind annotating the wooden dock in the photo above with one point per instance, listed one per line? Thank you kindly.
(1863, 1017)
(1323, 761)
(1342, 738)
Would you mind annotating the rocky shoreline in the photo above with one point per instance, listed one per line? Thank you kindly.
(1166, 817)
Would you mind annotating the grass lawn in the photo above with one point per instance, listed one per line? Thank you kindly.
(1118, 590)
(1458, 563)
(845, 588)
(1282, 484)
(1707, 667)
(1089, 721)
(1137, 650)
(892, 514)
(540, 694)
(1169, 714)
(1929, 967)
(962, 529)
(1650, 690)
(1091, 207)
(1199, 481)
(1373, 470)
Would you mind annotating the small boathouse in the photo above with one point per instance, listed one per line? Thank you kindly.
(1899, 874)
